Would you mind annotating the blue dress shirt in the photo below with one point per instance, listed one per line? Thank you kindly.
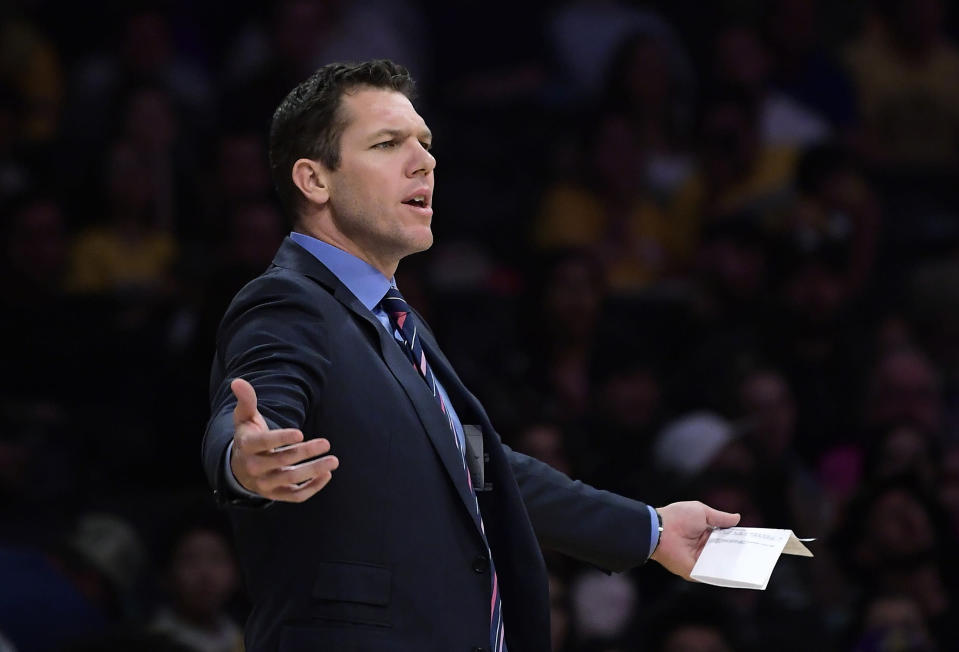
(369, 286)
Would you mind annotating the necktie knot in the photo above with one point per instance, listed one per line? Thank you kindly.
(396, 307)
(400, 314)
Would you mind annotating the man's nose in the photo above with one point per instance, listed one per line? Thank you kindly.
(422, 162)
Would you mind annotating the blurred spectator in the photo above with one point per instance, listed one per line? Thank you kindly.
(768, 404)
(609, 212)
(893, 540)
(731, 269)
(741, 59)
(905, 388)
(611, 448)
(585, 36)
(200, 578)
(737, 174)
(648, 88)
(902, 449)
(802, 67)
(603, 607)
(835, 209)
(131, 250)
(563, 315)
(902, 66)
(814, 287)
(893, 622)
(700, 442)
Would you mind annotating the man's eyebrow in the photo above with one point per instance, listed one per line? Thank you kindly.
(425, 134)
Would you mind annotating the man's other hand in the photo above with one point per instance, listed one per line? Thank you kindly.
(273, 463)
(686, 526)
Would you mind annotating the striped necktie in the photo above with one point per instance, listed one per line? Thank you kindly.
(402, 318)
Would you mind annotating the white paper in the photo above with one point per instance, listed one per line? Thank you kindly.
(744, 557)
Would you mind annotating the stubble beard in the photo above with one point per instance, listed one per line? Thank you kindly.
(387, 242)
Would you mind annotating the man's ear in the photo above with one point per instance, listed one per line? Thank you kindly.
(309, 176)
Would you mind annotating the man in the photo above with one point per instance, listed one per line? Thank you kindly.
(429, 537)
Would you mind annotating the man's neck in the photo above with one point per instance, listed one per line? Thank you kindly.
(326, 232)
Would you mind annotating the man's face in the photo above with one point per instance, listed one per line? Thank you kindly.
(381, 195)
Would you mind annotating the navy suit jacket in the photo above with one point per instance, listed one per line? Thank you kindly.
(389, 555)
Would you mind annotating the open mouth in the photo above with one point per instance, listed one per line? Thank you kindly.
(419, 202)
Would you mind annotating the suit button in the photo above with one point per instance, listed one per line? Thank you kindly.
(481, 564)
(479, 649)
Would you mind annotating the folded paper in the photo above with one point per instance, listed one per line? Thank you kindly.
(744, 557)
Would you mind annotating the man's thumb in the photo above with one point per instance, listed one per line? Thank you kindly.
(245, 409)
(717, 518)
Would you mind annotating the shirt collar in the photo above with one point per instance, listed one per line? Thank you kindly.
(362, 279)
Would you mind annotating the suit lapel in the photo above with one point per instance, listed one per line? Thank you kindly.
(427, 409)
(292, 256)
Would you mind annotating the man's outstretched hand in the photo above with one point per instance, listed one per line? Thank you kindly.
(273, 463)
(686, 526)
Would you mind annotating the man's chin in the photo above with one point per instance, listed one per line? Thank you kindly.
(421, 242)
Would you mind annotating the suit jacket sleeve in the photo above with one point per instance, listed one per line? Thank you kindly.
(602, 528)
(273, 337)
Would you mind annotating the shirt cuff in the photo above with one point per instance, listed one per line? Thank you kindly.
(232, 483)
(653, 529)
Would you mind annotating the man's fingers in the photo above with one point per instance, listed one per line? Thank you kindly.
(252, 441)
(302, 473)
(717, 518)
(296, 453)
(245, 409)
(303, 492)
(270, 459)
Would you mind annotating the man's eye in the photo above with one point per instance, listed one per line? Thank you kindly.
(426, 146)
(386, 144)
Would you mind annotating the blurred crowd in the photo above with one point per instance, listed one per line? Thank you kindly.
(684, 250)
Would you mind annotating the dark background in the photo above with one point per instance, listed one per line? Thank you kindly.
(684, 250)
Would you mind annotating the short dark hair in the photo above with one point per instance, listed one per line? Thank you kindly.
(308, 123)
